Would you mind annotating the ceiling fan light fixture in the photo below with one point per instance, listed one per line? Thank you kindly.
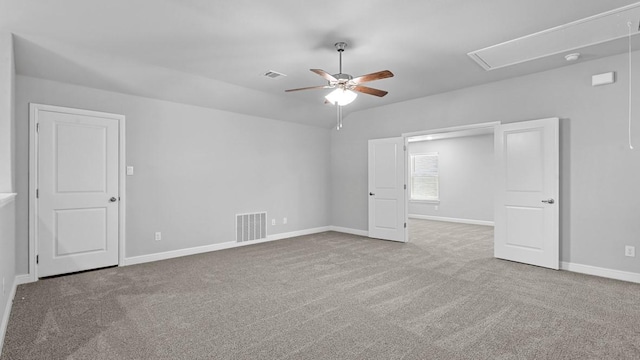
(341, 96)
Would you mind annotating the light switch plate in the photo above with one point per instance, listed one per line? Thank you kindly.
(129, 170)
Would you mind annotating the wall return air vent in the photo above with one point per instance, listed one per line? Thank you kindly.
(251, 226)
(594, 30)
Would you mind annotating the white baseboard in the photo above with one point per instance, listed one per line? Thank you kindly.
(7, 312)
(602, 272)
(349, 231)
(298, 233)
(215, 247)
(23, 279)
(454, 220)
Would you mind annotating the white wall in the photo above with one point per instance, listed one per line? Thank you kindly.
(465, 177)
(7, 75)
(600, 176)
(195, 168)
(7, 212)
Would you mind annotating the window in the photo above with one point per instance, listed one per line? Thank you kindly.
(424, 177)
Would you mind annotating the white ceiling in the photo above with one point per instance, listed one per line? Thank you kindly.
(213, 53)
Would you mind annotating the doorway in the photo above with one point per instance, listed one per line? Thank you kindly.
(77, 190)
(525, 188)
(450, 200)
(451, 176)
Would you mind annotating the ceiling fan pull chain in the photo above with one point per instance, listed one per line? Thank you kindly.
(338, 117)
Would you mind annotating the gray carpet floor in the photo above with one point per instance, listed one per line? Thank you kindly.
(330, 296)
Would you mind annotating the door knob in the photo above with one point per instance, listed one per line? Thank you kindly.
(550, 201)
(113, 199)
(371, 194)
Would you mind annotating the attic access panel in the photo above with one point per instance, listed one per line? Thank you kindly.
(593, 30)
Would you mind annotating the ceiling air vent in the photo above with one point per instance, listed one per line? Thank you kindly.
(273, 74)
(594, 30)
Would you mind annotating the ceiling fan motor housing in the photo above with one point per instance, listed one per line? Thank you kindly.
(342, 77)
(343, 80)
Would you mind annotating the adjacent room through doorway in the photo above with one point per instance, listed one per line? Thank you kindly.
(450, 191)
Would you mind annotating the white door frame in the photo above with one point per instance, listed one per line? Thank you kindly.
(33, 177)
(453, 129)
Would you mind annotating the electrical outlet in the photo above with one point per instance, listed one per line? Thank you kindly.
(284, 221)
(273, 222)
(630, 251)
(158, 236)
(435, 207)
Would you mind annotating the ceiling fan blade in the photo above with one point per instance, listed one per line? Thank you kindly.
(324, 74)
(310, 88)
(370, 91)
(373, 76)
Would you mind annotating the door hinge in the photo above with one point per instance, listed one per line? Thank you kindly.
(405, 186)
(37, 259)
(37, 193)
(405, 225)
(405, 148)
(38, 127)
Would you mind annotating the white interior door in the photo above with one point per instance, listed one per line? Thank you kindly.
(387, 189)
(527, 192)
(78, 192)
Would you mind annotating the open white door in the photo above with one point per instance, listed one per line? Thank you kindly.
(527, 189)
(387, 189)
(78, 190)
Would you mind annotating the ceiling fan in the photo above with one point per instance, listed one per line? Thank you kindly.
(346, 85)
